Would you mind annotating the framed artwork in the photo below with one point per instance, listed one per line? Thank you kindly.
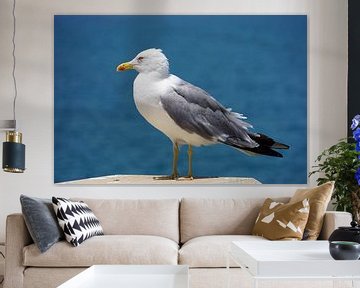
(175, 120)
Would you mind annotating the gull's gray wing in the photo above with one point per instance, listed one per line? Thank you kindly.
(196, 111)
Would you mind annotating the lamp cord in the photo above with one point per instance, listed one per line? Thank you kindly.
(14, 61)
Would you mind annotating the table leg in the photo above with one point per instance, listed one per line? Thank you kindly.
(255, 283)
(228, 270)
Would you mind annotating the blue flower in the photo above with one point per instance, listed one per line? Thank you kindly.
(356, 134)
(355, 122)
(357, 176)
(355, 126)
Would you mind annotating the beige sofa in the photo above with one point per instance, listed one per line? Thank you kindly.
(194, 232)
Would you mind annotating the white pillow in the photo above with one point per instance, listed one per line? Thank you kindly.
(76, 220)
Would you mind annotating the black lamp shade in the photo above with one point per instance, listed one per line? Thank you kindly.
(13, 156)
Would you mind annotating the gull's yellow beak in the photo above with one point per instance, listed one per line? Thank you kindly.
(125, 66)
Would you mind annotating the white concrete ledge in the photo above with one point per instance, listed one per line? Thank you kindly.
(149, 179)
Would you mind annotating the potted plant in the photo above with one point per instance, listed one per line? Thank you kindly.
(341, 163)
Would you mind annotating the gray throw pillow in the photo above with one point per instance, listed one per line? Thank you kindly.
(41, 221)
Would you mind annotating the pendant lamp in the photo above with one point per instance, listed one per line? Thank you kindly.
(13, 160)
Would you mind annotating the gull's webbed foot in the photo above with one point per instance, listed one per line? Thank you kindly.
(169, 177)
(188, 177)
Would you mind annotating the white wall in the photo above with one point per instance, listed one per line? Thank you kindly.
(326, 100)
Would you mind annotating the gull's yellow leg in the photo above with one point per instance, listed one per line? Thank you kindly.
(190, 172)
(174, 175)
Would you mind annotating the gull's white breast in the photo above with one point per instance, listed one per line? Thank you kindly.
(147, 96)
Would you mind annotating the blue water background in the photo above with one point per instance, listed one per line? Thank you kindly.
(256, 65)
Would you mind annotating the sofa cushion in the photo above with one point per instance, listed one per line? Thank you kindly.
(77, 220)
(41, 221)
(107, 249)
(35, 277)
(158, 217)
(211, 251)
(279, 221)
(319, 198)
(201, 217)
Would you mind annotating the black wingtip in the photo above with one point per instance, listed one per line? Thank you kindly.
(277, 145)
(264, 140)
(263, 150)
(266, 146)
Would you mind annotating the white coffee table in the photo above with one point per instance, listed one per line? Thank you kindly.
(292, 260)
(131, 276)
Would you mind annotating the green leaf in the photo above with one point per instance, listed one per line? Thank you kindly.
(339, 163)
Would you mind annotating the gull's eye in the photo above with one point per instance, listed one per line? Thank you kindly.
(140, 58)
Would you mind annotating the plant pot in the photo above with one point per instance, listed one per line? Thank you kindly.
(343, 250)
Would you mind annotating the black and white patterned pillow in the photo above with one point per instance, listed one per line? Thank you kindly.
(77, 220)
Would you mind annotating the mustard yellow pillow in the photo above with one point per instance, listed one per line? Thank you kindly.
(279, 221)
(319, 198)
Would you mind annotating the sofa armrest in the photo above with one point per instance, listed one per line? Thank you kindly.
(17, 237)
(333, 220)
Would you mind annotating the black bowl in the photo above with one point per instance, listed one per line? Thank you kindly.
(344, 250)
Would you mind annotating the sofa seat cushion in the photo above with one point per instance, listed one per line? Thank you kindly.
(211, 251)
(107, 249)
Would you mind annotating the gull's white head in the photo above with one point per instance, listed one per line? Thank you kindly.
(147, 61)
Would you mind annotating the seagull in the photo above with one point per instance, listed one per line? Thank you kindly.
(189, 115)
